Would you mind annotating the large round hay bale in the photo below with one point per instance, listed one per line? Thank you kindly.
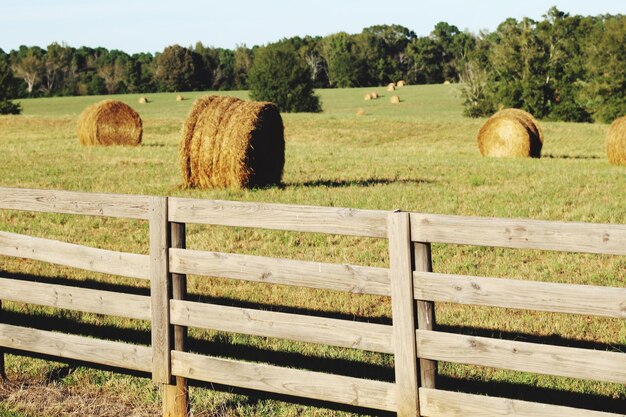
(391, 87)
(142, 100)
(446, 82)
(367, 97)
(401, 83)
(109, 122)
(616, 142)
(232, 143)
(395, 100)
(374, 95)
(510, 133)
(180, 98)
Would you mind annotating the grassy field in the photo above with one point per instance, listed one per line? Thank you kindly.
(420, 155)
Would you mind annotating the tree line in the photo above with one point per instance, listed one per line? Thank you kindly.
(562, 67)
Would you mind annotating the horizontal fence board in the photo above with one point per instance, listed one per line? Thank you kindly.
(102, 352)
(76, 256)
(74, 298)
(334, 332)
(341, 221)
(315, 385)
(521, 234)
(349, 278)
(521, 294)
(73, 202)
(522, 356)
(438, 403)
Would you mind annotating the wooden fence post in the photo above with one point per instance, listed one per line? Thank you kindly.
(3, 372)
(403, 312)
(176, 395)
(425, 312)
(159, 290)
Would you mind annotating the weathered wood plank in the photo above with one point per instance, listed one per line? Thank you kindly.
(521, 234)
(103, 352)
(74, 298)
(527, 295)
(522, 356)
(438, 403)
(73, 202)
(348, 278)
(176, 394)
(342, 221)
(159, 291)
(422, 259)
(315, 385)
(76, 256)
(403, 314)
(334, 332)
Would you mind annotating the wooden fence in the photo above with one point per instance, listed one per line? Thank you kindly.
(408, 281)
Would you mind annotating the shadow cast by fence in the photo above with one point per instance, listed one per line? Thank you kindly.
(556, 156)
(369, 182)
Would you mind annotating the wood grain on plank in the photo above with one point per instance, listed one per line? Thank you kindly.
(521, 294)
(102, 352)
(342, 221)
(522, 234)
(570, 362)
(348, 278)
(334, 332)
(78, 299)
(73, 202)
(315, 385)
(76, 256)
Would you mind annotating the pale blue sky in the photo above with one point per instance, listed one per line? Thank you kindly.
(150, 25)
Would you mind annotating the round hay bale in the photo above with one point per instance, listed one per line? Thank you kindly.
(109, 122)
(510, 133)
(367, 97)
(446, 82)
(401, 83)
(232, 143)
(395, 100)
(391, 87)
(143, 100)
(360, 111)
(179, 98)
(616, 142)
(374, 95)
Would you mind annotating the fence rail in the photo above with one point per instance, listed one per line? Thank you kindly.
(409, 282)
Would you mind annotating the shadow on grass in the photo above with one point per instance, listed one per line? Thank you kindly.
(220, 345)
(553, 156)
(357, 183)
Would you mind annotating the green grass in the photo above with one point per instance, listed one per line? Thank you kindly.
(420, 155)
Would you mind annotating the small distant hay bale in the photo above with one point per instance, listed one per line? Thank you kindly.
(360, 111)
(511, 133)
(143, 100)
(232, 143)
(367, 97)
(391, 87)
(109, 122)
(401, 83)
(180, 98)
(616, 142)
(395, 100)
(374, 95)
(446, 82)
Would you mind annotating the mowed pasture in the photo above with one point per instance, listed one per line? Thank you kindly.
(419, 155)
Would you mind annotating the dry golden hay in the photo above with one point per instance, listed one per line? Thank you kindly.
(231, 143)
(510, 133)
(395, 99)
(143, 100)
(401, 83)
(367, 97)
(391, 87)
(446, 82)
(360, 111)
(179, 98)
(616, 142)
(374, 95)
(109, 122)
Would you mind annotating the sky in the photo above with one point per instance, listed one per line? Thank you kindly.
(151, 25)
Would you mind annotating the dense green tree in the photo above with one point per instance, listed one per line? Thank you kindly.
(281, 76)
(344, 65)
(175, 70)
(28, 64)
(7, 87)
